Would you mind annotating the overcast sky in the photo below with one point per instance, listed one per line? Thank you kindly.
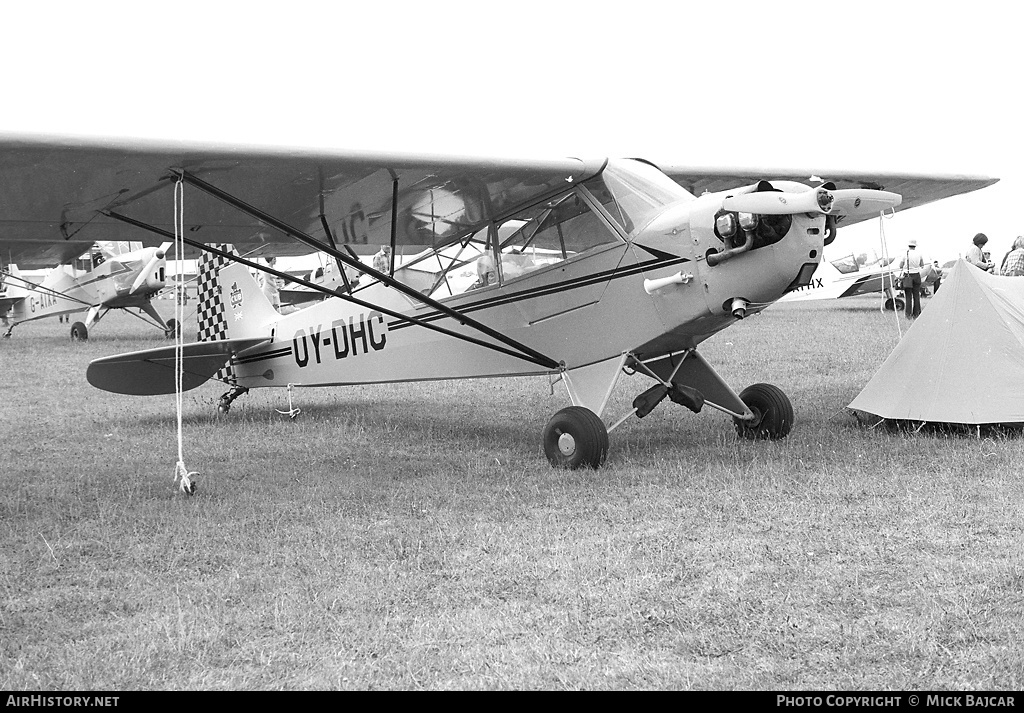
(897, 86)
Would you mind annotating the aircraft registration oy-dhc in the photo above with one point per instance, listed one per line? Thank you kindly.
(582, 270)
(109, 276)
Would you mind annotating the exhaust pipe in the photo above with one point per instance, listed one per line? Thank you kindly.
(739, 307)
(718, 258)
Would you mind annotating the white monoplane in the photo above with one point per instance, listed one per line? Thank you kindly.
(586, 270)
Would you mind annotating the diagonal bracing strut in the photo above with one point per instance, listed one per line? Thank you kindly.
(320, 288)
(527, 353)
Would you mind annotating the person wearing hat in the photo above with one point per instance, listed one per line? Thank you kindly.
(910, 266)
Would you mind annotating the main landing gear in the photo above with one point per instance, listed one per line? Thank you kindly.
(577, 437)
(773, 413)
(79, 332)
(893, 303)
(173, 329)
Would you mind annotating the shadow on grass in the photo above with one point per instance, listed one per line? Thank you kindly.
(411, 418)
(905, 427)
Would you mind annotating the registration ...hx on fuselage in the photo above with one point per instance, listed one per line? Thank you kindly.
(585, 271)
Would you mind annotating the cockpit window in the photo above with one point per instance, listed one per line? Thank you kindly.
(535, 238)
(550, 233)
(846, 265)
(634, 192)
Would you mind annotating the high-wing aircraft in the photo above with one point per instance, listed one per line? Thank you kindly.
(586, 271)
(845, 277)
(107, 277)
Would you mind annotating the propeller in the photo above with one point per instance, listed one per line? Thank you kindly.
(864, 201)
(816, 200)
(144, 274)
(847, 201)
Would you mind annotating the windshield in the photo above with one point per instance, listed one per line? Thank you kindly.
(634, 192)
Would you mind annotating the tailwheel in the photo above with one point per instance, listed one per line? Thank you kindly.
(79, 333)
(575, 438)
(228, 397)
(773, 413)
(173, 329)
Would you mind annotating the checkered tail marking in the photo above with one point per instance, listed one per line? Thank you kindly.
(210, 315)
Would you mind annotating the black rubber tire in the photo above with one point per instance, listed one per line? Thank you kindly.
(79, 333)
(773, 411)
(576, 438)
(891, 304)
(173, 329)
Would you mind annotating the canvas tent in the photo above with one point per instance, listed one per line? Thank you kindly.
(962, 361)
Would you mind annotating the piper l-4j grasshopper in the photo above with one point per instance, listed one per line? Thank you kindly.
(586, 270)
(105, 278)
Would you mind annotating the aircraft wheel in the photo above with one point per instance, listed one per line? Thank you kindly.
(223, 408)
(173, 329)
(773, 413)
(79, 333)
(574, 438)
(894, 304)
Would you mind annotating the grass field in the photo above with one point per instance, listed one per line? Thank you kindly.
(413, 536)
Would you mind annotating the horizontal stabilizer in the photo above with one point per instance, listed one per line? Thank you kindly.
(151, 371)
(7, 302)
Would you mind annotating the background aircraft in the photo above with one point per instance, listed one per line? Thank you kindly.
(109, 276)
(585, 270)
(845, 277)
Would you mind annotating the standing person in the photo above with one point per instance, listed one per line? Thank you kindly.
(382, 260)
(910, 266)
(270, 285)
(977, 256)
(1013, 263)
(938, 276)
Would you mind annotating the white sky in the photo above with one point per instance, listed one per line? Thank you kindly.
(898, 86)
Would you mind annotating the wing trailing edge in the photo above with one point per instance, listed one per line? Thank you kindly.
(151, 372)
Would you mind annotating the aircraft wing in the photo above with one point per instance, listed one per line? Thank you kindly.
(60, 190)
(40, 254)
(916, 189)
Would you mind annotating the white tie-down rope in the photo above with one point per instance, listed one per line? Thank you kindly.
(181, 473)
(887, 273)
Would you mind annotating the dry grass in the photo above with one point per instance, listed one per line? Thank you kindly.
(413, 536)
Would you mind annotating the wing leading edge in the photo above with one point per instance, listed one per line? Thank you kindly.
(916, 189)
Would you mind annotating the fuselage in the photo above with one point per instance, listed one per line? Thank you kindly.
(127, 280)
(576, 306)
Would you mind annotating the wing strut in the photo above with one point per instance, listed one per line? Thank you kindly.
(530, 354)
(347, 297)
(40, 288)
(330, 237)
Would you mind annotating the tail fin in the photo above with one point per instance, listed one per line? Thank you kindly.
(221, 279)
(248, 312)
(231, 304)
(14, 287)
(210, 312)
